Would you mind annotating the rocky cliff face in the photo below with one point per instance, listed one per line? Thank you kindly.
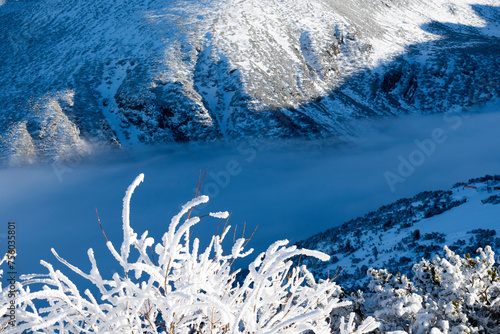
(76, 75)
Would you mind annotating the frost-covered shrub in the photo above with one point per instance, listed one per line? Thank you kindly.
(174, 287)
(448, 295)
(393, 299)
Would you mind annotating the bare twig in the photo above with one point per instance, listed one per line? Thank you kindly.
(225, 225)
(248, 240)
(217, 230)
(99, 220)
(189, 237)
(153, 256)
(198, 188)
(234, 235)
(337, 273)
(202, 180)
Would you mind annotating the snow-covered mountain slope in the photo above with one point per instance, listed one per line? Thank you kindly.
(78, 73)
(397, 235)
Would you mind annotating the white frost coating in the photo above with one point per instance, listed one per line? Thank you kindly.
(181, 289)
(128, 234)
(220, 214)
(185, 208)
(368, 325)
(448, 295)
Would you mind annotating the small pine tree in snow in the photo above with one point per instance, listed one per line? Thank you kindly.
(393, 299)
(448, 295)
(182, 289)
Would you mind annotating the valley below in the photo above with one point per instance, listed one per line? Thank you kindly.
(290, 189)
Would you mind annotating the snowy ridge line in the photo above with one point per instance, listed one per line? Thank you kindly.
(397, 235)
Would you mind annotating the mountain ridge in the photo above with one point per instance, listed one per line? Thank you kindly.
(78, 75)
(402, 233)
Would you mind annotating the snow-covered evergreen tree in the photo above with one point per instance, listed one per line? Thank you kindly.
(448, 295)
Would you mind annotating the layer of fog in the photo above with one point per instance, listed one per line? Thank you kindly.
(289, 189)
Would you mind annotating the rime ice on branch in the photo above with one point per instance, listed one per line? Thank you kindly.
(172, 287)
